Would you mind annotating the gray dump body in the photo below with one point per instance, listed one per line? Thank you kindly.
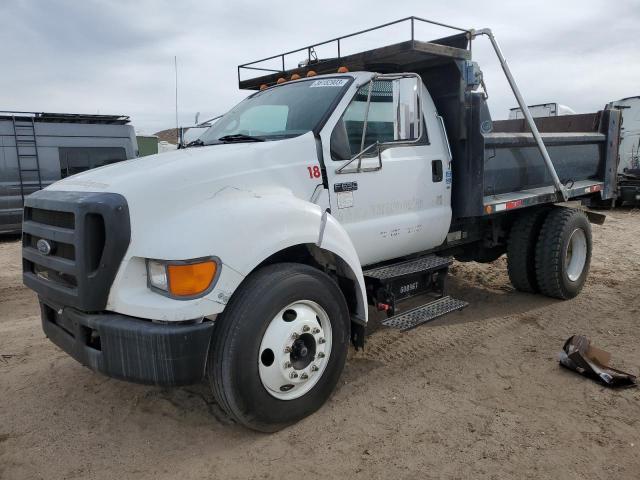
(577, 145)
(37, 149)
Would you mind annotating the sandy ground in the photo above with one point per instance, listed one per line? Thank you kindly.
(478, 394)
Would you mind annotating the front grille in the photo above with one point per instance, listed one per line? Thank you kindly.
(50, 217)
(62, 250)
(83, 238)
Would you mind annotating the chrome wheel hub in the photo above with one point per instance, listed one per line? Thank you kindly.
(295, 350)
(575, 257)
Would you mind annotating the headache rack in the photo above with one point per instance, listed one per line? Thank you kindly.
(398, 57)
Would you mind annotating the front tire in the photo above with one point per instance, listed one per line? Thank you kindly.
(279, 347)
(563, 253)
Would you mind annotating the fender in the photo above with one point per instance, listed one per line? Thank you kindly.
(240, 227)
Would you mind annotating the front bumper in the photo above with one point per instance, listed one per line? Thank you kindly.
(130, 348)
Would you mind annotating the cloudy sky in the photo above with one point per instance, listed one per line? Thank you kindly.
(116, 56)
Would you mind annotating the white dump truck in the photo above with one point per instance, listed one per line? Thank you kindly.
(252, 258)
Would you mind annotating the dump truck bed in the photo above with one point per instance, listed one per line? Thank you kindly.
(583, 149)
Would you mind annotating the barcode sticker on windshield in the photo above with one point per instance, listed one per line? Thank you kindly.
(329, 82)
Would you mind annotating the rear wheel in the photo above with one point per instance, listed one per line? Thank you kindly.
(521, 251)
(279, 347)
(563, 253)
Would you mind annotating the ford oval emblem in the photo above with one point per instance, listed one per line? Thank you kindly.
(44, 247)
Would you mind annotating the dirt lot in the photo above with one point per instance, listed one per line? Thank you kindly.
(476, 395)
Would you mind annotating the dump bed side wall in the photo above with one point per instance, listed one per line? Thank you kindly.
(513, 161)
(581, 147)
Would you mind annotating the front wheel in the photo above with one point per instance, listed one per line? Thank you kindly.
(279, 347)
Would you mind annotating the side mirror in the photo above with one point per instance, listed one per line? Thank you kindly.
(399, 123)
(406, 103)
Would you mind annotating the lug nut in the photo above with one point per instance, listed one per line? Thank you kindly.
(293, 375)
(316, 330)
(314, 368)
(320, 354)
(287, 349)
(321, 340)
(306, 328)
(304, 376)
(295, 335)
(287, 364)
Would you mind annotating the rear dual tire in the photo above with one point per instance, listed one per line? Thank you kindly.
(563, 253)
(521, 250)
(549, 251)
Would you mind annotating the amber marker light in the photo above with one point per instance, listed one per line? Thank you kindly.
(295, 76)
(182, 279)
(343, 70)
(190, 279)
(311, 73)
(264, 86)
(281, 80)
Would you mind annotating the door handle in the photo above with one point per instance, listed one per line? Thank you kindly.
(436, 170)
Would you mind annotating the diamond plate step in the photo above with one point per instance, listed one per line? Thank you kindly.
(424, 313)
(422, 264)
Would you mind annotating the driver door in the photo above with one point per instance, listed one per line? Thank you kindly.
(387, 180)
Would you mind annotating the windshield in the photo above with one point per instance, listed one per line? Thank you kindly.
(281, 112)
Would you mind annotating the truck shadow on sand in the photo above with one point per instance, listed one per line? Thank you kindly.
(499, 300)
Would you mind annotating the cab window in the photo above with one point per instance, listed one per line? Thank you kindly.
(346, 138)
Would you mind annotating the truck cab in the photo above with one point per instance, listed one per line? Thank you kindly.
(251, 258)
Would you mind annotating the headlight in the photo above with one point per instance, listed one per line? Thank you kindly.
(183, 279)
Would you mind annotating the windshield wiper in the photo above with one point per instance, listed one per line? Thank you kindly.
(240, 137)
(196, 143)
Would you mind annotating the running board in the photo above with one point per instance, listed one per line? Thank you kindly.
(391, 284)
(424, 313)
(428, 263)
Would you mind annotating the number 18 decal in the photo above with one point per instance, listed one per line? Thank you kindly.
(314, 172)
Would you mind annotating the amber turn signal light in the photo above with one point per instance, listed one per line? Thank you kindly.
(187, 280)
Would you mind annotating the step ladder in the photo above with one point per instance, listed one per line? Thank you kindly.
(425, 313)
(24, 134)
(390, 285)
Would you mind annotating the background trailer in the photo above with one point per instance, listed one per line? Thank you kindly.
(37, 149)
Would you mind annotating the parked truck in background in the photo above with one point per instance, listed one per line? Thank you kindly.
(37, 149)
(252, 257)
(629, 158)
(542, 110)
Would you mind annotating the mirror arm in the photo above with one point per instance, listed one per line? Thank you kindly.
(366, 120)
(358, 156)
